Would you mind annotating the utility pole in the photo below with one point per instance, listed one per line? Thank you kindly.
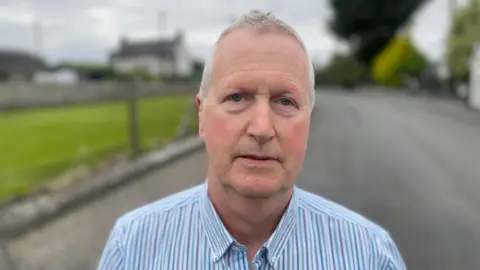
(452, 9)
(37, 31)
(37, 36)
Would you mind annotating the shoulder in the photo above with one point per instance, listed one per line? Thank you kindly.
(161, 209)
(154, 217)
(346, 224)
(133, 232)
(321, 207)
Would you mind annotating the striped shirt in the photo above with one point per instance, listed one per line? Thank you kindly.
(183, 231)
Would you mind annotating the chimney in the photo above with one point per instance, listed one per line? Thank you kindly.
(179, 35)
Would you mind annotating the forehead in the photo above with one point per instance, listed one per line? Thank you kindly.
(245, 53)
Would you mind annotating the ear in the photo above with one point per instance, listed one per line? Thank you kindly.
(200, 105)
(198, 101)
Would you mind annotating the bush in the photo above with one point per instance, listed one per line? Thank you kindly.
(343, 70)
(400, 59)
(139, 75)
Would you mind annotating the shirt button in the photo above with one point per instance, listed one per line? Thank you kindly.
(236, 248)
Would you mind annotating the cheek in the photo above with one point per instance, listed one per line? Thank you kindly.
(295, 137)
(220, 129)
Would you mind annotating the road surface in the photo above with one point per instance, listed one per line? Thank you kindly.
(75, 241)
(411, 165)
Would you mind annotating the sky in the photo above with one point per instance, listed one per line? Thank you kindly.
(88, 30)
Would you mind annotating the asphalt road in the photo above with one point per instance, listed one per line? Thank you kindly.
(75, 241)
(411, 165)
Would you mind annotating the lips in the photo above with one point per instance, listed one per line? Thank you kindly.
(259, 158)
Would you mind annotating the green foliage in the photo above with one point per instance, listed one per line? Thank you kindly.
(368, 25)
(400, 59)
(386, 63)
(91, 71)
(103, 72)
(83, 65)
(343, 69)
(197, 72)
(413, 63)
(198, 67)
(463, 35)
(137, 75)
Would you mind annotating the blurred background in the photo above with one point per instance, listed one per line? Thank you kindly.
(98, 117)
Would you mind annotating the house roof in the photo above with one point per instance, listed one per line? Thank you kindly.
(14, 61)
(164, 48)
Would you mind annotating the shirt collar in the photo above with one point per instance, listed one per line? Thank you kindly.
(277, 241)
(220, 239)
(218, 236)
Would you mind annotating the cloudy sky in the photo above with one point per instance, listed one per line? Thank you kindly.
(87, 30)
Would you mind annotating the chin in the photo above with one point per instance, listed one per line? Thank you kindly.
(259, 187)
(256, 193)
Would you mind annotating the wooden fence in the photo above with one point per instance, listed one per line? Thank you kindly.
(21, 96)
(18, 96)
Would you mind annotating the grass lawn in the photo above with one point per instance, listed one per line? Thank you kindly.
(36, 145)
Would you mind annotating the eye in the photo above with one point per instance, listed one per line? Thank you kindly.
(286, 101)
(236, 97)
(237, 102)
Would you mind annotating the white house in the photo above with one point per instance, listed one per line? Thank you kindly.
(474, 93)
(163, 57)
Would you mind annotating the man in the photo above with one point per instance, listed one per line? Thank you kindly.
(254, 103)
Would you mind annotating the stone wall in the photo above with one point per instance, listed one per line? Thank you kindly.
(23, 95)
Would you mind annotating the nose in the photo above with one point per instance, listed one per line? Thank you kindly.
(261, 126)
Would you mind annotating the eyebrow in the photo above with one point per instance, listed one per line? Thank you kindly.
(245, 84)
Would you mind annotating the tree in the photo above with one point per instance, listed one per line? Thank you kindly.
(90, 71)
(413, 63)
(400, 60)
(141, 75)
(368, 25)
(343, 69)
(463, 34)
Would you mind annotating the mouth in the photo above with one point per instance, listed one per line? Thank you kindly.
(259, 158)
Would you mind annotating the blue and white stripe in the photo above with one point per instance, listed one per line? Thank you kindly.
(183, 231)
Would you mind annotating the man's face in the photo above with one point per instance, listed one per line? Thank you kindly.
(256, 117)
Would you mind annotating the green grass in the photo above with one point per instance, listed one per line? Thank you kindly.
(36, 145)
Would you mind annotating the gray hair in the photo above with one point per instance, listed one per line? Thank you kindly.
(262, 22)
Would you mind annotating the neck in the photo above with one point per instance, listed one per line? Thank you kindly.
(251, 221)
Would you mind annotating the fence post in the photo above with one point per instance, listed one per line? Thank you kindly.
(182, 128)
(134, 131)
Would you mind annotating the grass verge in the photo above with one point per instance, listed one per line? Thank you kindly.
(37, 145)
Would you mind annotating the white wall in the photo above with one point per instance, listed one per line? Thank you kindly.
(151, 63)
(184, 63)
